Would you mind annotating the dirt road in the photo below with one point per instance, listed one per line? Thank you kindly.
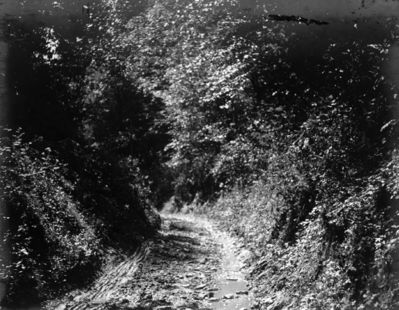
(190, 264)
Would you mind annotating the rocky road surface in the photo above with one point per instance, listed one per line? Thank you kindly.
(189, 265)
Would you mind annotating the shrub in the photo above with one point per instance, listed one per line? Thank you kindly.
(52, 245)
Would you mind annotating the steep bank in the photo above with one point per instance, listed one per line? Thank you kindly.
(345, 262)
(73, 184)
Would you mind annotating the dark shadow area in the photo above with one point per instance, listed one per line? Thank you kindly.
(175, 247)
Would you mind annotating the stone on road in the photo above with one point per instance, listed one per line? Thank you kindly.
(190, 264)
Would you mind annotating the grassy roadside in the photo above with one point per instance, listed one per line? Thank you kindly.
(345, 262)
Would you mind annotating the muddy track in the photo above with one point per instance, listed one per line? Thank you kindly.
(188, 265)
(107, 291)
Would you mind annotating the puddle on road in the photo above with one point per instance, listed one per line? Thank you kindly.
(229, 290)
(232, 293)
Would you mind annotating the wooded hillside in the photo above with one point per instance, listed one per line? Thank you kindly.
(288, 143)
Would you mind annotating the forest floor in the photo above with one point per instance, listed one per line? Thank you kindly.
(190, 264)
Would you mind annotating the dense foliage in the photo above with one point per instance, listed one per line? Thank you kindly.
(291, 145)
(90, 197)
(52, 243)
(301, 152)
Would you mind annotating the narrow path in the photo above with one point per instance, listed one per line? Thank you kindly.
(188, 265)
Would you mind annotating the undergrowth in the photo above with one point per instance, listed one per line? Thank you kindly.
(52, 244)
(342, 254)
